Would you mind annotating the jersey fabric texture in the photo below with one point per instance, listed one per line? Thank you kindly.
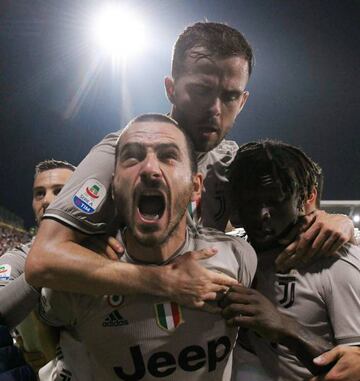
(149, 338)
(18, 298)
(323, 296)
(85, 202)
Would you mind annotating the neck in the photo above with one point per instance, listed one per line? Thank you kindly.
(160, 253)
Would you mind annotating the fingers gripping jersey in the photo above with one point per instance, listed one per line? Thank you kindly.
(85, 202)
(150, 338)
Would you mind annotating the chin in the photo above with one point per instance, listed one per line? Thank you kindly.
(149, 239)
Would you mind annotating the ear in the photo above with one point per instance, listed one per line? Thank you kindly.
(170, 88)
(197, 186)
(310, 203)
(244, 98)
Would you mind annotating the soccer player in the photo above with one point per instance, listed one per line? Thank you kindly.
(311, 308)
(17, 297)
(211, 67)
(148, 337)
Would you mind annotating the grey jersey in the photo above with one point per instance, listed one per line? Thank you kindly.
(18, 298)
(324, 297)
(85, 201)
(145, 337)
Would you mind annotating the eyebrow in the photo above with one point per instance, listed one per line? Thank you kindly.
(157, 147)
(52, 186)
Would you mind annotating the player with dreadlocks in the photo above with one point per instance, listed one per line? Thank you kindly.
(307, 310)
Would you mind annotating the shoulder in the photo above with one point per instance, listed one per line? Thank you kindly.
(109, 140)
(233, 252)
(14, 260)
(337, 273)
(226, 150)
(348, 260)
(201, 233)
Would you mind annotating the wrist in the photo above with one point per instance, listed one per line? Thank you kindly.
(156, 280)
(288, 331)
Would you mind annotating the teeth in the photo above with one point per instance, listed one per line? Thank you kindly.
(151, 216)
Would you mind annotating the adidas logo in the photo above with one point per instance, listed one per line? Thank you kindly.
(114, 319)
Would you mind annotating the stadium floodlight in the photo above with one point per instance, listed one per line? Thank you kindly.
(118, 31)
(356, 218)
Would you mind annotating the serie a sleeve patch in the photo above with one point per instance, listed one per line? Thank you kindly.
(89, 196)
(5, 272)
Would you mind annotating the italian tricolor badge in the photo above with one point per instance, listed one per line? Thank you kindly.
(168, 315)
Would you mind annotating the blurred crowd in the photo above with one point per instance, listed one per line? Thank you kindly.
(10, 237)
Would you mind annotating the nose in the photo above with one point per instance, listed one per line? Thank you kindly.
(150, 170)
(45, 202)
(215, 106)
(265, 213)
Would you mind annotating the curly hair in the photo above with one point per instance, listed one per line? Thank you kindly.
(261, 162)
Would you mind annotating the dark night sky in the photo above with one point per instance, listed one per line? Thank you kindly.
(304, 90)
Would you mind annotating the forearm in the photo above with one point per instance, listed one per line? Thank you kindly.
(17, 300)
(71, 267)
(304, 344)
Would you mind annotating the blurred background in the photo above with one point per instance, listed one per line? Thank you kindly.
(63, 87)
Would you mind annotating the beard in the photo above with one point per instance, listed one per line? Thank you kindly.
(147, 235)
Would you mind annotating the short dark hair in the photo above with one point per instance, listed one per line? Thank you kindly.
(220, 40)
(296, 172)
(47, 165)
(162, 118)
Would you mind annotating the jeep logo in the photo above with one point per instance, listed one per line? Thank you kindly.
(162, 364)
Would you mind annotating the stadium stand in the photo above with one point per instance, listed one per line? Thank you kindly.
(12, 231)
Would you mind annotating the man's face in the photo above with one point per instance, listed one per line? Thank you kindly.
(207, 96)
(152, 183)
(265, 213)
(46, 186)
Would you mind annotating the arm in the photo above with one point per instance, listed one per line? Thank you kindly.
(17, 297)
(17, 300)
(346, 368)
(248, 308)
(319, 233)
(58, 261)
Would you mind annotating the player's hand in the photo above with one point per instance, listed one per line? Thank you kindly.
(107, 246)
(319, 233)
(248, 308)
(346, 368)
(188, 283)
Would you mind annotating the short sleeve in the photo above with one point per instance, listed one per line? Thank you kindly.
(342, 296)
(85, 202)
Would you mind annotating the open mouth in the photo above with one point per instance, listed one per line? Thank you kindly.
(151, 206)
(207, 129)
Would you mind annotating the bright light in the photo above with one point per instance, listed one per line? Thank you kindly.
(118, 31)
(356, 218)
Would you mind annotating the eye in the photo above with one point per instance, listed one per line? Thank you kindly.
(38, 194)
(231, 96)
(129, 161)
(132, 155)
(57, 190)
(168, 155)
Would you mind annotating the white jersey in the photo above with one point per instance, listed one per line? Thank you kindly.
(85, 202)
(324, 297)
(146, 337)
